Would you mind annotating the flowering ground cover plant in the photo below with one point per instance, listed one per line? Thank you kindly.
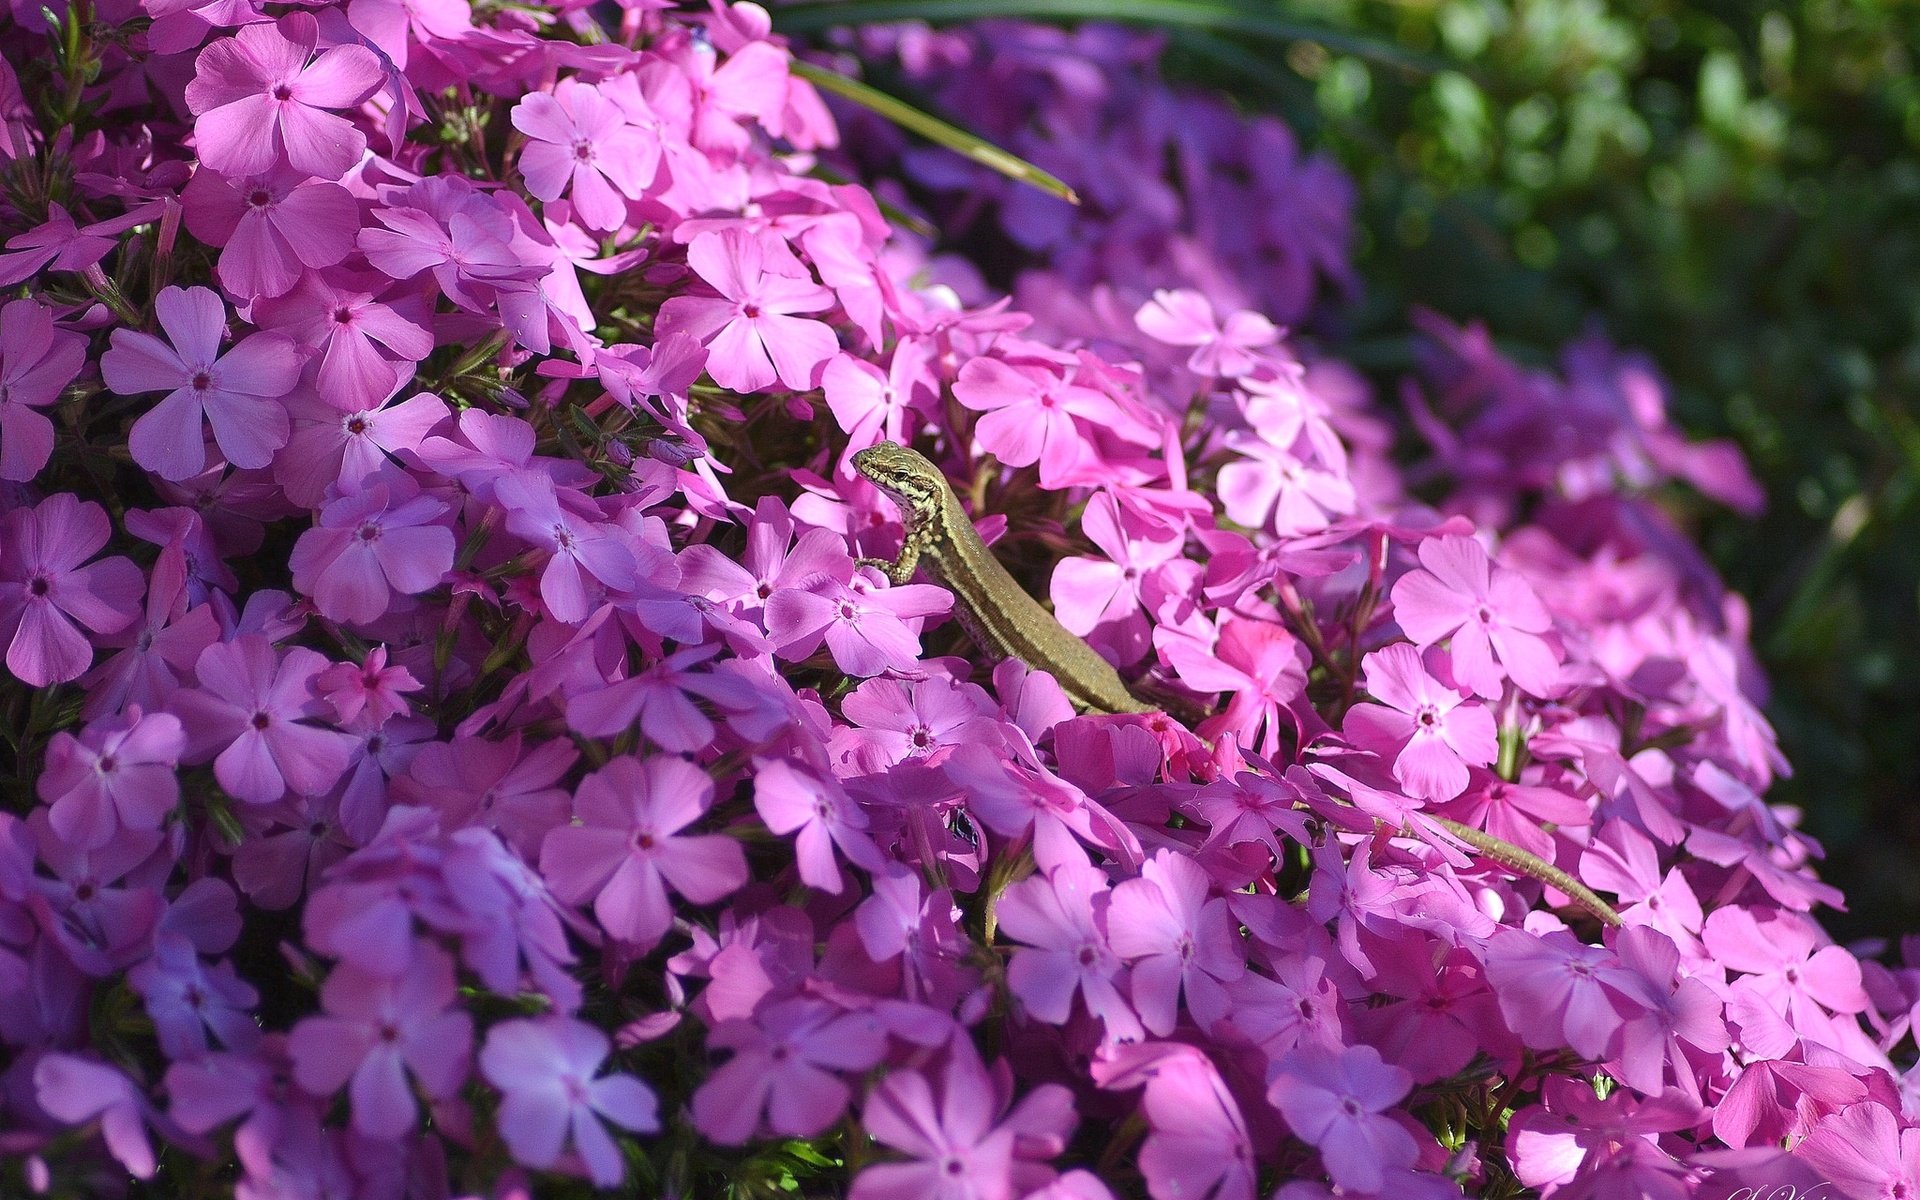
(459, 749)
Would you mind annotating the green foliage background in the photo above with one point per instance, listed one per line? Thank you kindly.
(1731, 186)
(1734, 187)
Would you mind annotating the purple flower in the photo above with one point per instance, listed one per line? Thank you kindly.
(961, 1142)
(371, 545)
(1865, 1152)
(237, 392)
(1183, 317)
(45, 591)
(37, 360)
(118, 774)
(578, 548)
(75, 1090)
(1176, 940)
(580, 137)
(783, 1070)
(261, 98)
(548, 1073)
(1433, 733)
(248, 715)
(273, 226)
(627, 847)
(365, 347)
(819, 814)
(1062, 918)
(1335, 1100)
(1489, 613)
(187, 1000)
(751, 333)
(865, 627)
(378, 1031)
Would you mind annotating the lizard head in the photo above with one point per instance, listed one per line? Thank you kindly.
(903, 474)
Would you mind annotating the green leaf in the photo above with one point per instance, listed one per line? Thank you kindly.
(934, 129)
(1214, 16)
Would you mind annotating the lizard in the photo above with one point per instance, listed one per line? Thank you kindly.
(992, 607)
(1005, 622)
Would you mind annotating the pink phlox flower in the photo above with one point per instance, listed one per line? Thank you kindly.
(237, 393)
(961, 1141)
(103, 904)
(579, 548)
(661, 603)
(578, 136)
(158, 652)
(1016, 794)
(119, 773)
(1575, 1135)
(500, 785)
(37, 360)
(1363, 902)
(1033, 700)
(190, 566)
(548, 1071)
(785, 1072)
(465, 237)
(1556, 991)
(1779, 1101)
(870, 404)
(372, 689)
(206, 1091)
(289, 847)
(900, 919)
(899, 719)
(1868, 1151)
(515, 933)
(1442, 1013)
(867, 628)
(1671, 1009)
(491, 447)
(1254, 808)
(1626, 791)
(627, 848)
(1519, 812)
(249, 716)
(1197, 1142)
(187, 1000)
(76, 1090)
(262, 97)
(661, 700)
(1429, 727)
(60, 245)
(181, 25)
(1273, 487)
(750, 329)
(272, 226)
(1183, 317)
(1176, 940)
(1062, 917)
(1490, 614)
(1783, 963)
(380, 752)
(1336, 1101)
(374, 901)
(369, 546)
(817, 812)
(1105, 598)
(1032, 409)
(49, 591)
(666, 370)
(1261, 664)
(377, 1031)
(363, 344)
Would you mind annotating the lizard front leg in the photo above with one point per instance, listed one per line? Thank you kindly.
(901, 569)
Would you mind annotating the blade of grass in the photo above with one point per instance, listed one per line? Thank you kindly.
(934, 129)
(1214, 16)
